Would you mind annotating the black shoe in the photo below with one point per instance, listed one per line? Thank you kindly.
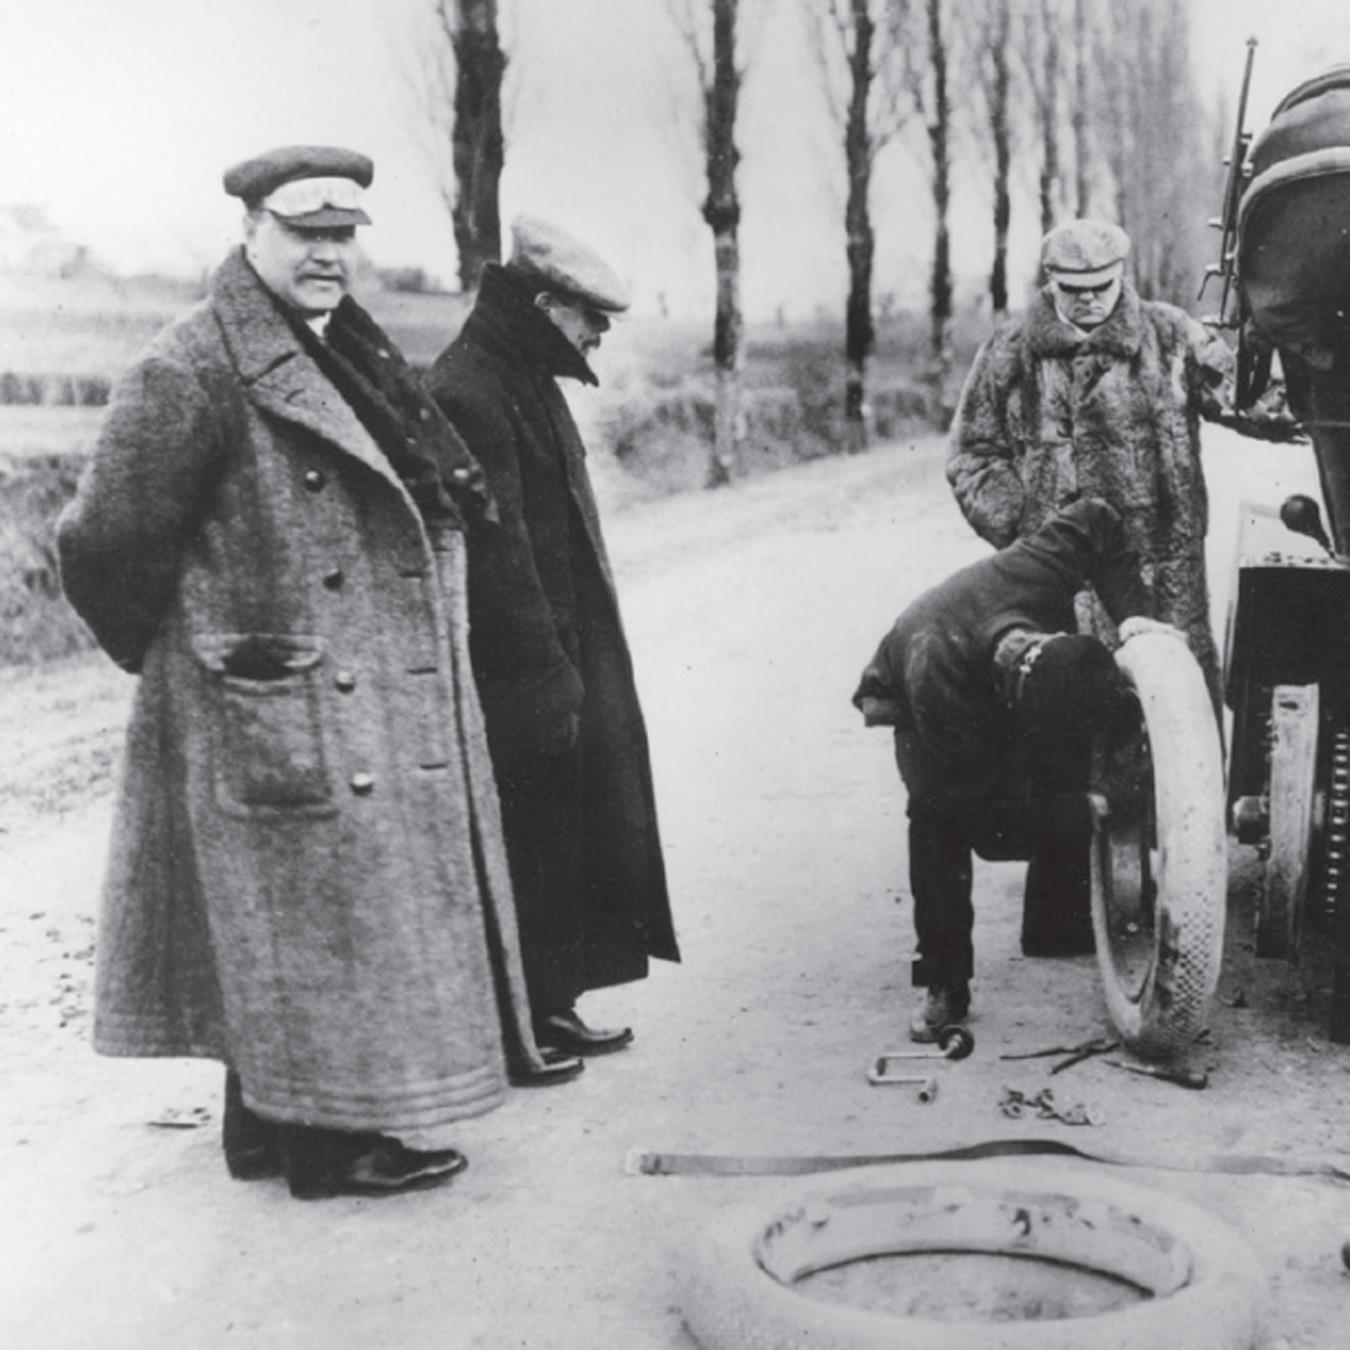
(250, 1143)
(558, 1067)
(253, 1164)
(566, 1032)
(385, 1167)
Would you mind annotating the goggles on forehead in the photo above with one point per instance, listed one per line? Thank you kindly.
(1073, 288)
(304, 196)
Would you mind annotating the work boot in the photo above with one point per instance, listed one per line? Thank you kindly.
(942, 1006)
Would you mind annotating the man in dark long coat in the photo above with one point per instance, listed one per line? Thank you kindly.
(307, 878)
(566, 732)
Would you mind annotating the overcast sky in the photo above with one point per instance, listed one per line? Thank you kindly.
(118, 117)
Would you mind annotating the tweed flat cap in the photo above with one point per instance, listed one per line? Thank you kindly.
(309, 185)
(558, 261)
(1088, 250)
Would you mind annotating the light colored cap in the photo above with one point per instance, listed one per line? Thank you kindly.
(1089, 251)
(309, 185)
(557, 261)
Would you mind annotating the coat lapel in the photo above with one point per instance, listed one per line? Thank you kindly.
(279, 375)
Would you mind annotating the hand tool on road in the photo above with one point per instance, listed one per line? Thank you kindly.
(879, 1075)
(1182, 1077)
(1098, 1045)
(952, 1043)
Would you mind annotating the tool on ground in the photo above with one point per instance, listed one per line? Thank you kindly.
(1098, 1045)
(881, 1075)
(1182, 1077)
(952, 1043)
(1016, 1104)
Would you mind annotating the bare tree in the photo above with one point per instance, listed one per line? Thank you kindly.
(987, 29)
(461, 71)
(1154, 125)
(720, 75)
(861, 47)
(1041, 53)
(1082, 59)
(929, 87)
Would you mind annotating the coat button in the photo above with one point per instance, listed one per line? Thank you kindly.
(334, 578)
(363, 784)
(459, 475)
(344, 681)
(314, 480)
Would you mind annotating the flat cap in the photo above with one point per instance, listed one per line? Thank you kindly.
(557, 261)
(309, 185)
(1088, 250)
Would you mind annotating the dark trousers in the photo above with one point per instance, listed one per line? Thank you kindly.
(541, 803)
(308, 1156)
(1045, 821)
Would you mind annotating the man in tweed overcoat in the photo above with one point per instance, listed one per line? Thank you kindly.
(307, 879)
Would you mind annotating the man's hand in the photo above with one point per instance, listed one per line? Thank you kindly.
(879, 712)
(1138, 623)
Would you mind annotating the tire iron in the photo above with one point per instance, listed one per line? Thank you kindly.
(881, 1075)
(1182, 1077)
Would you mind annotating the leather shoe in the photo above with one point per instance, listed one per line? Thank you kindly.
(387, 1167)
(257, 1162)
(565, 1031)
(558, 1067)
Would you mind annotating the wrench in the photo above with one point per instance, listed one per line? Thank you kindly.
(879, 1075)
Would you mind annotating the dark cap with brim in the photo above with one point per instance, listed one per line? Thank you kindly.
(1066, 684)
(308, 186)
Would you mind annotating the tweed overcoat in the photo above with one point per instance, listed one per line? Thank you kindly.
(307, 878)
(1049, 412)
(548, 645)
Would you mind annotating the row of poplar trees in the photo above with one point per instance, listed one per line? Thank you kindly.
(1061, 108)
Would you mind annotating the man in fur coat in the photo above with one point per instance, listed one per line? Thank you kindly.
(307, 878)
(564, 725)
(1095, 392)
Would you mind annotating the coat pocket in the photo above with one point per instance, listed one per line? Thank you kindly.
(268, 753)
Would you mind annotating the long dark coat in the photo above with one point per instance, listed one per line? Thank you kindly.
(307, 878)
(1049, 412)
(548, 648)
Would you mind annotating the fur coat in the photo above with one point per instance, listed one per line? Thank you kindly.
(1049, 412)
(307, 878)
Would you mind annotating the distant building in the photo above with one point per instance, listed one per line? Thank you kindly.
(32, 245)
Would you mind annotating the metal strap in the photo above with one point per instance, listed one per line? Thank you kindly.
(639, 1163)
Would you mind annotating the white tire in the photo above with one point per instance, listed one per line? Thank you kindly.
(1203, 1285)
(1159, 862)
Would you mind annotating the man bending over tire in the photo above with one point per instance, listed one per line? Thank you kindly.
(994, 700)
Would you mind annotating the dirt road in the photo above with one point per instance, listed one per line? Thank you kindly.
(750, 613)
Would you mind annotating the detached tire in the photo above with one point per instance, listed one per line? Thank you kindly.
(1203, 1284)
(1159, 860)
